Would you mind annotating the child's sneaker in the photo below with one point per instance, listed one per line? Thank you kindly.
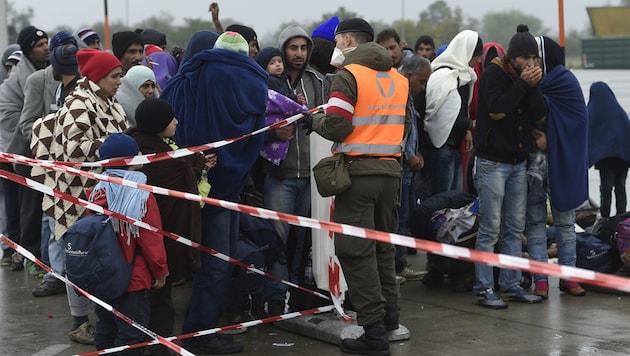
(34, 270)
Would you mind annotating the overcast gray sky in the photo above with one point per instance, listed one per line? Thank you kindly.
(265, 16)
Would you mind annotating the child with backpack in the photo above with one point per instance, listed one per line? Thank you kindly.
(142, 247)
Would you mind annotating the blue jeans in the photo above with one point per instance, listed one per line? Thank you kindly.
(112, 331)
(56, 253)
(210, 284)
(536, 229)
(446, 169)
(609, 178)
(292, 196)
(502, 188)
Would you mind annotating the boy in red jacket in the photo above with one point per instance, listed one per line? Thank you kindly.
(147, 247)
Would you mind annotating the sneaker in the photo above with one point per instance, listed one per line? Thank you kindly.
(217, 344)
(84, 334)
(17, 262)
(231, 318)
(51, 287)
(400, 280)
(489, 299)
(34, 270)
(518, 294)
(411, 275)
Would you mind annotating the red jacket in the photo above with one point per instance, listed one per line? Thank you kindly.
(151, 260)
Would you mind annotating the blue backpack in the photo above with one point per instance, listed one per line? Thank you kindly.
(94, 259)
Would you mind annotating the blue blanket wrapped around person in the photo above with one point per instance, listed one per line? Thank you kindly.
(608, 125)
(221, 94)
(567, 133)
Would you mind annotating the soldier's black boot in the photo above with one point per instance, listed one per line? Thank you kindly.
(391, 317)
(373, 342)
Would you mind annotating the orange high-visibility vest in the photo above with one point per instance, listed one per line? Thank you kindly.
(379, 113)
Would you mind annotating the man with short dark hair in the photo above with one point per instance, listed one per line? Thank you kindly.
(425, 47)
(391, 41)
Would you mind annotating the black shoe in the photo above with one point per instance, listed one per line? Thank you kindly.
(391, 317)
(433, 279)
(275, 307)
(47, 288)
(373, 342)
(218, 344)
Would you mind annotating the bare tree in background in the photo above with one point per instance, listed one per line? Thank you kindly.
(17, 20)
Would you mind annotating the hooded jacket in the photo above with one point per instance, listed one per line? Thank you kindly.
(335, 127)
(12, 100)
(39, 101)
(311, 84)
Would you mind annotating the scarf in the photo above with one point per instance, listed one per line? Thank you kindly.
(128, 201)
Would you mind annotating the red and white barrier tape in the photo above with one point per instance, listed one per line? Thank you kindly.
(99, 209)
(499, 260)
(182, 152)
(216, 330)
(157, 338)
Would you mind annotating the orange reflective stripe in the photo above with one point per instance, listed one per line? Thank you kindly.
(379, 113)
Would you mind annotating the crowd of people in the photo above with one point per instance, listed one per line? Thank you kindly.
(406, 121)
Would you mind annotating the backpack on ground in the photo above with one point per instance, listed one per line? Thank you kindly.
(94, 259)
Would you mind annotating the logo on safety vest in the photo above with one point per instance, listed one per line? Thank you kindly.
(385, 84)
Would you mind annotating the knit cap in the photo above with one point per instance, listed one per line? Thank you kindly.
(522, 43)
(87, 36)
(122, 40)
(64, 59)
(248, 33)
(62, 38)
(265, 55)
(232, 41)
(118, 144)
(138, 75)
(95, 64)
(327, 29)
(153, 115)
(150, 36)
(14, 58)
(28, 37)
(149, 49)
